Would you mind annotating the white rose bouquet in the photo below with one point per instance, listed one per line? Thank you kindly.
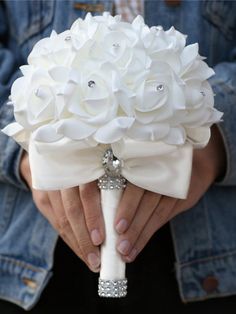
(107, 87)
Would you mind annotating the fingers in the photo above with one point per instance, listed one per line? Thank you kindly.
(61, 223)
(90, 198)
(42, 202)
(145, 209)
(64, 210)
(128, 207)
(138, 236)
(74, 213)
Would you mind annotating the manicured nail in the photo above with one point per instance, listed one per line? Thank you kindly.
(94, 261)
(132, 255)
(124, 247)
(96, 237)
(122, 226)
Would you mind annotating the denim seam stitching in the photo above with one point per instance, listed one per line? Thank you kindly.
(21, 264)
(208, 259)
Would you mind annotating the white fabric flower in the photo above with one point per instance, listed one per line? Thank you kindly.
(106, 80)
(33, 96)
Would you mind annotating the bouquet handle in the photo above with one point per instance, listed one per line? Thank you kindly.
(112, 281)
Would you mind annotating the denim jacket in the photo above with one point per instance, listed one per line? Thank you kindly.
(204, 236)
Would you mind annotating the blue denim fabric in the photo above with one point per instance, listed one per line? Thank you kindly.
(27, 242)
(204, 237)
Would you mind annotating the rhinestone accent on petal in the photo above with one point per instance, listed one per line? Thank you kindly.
(36, 92)
(116, 45)
(203, 94)
(67, 38)
(91, 84)
(160, 87)
(112, 288)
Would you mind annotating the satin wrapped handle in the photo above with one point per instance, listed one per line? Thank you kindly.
(112, 281)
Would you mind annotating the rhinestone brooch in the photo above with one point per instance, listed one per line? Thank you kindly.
(112, 179)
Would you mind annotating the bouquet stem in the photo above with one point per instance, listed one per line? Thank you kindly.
(112, 281)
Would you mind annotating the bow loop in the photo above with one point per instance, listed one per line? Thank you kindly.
(154, 166)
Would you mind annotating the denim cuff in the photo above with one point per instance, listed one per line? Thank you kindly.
(21, 283)
(223, 84)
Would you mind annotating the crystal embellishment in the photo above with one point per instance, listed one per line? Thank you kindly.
(112, 179)
(68, 38)
(36, 92)
(112, 288)
(160, 87)
(116, 45)
(91, 84)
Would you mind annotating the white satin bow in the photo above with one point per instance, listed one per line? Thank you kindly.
(154, 166)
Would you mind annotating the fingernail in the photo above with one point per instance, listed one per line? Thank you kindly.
(122, 226)
(96, 237)
(132, 255)
(94, 261)
(124, 247)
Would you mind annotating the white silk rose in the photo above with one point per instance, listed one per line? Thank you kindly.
(106, 80)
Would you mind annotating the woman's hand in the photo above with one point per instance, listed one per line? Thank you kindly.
(141, 213)
(74, 213)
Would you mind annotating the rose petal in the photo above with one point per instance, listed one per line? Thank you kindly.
(74, 128)
(59, 73)
(176, 136)
(189, 54)
(18, 133)
(47, 134)
(198, 137)
(149, 132)
(114, 130)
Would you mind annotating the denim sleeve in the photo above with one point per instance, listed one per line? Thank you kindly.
(224, 86)
(10, 151)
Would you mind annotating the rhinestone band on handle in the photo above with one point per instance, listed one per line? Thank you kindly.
(112, 180)
(112, 288)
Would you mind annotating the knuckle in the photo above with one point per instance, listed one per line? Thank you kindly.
(87, 192)
(85, 245)
(127, 209)
(71, 209)
(40, 200)
(92, 219)
(159, 211)
(129, 204)
(160, 217)
(56, 225)
(133, 232)
(158, 214)
(145, 238)
(63, 225)
(61, 233)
